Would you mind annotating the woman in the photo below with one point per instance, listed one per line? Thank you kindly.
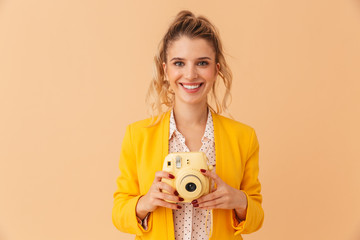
(188, 64)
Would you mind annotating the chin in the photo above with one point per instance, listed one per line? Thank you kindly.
(193, 101)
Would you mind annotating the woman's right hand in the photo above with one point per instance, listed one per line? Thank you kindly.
(155, 197)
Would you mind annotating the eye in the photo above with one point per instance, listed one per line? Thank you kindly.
(203, 63)
(179, 64)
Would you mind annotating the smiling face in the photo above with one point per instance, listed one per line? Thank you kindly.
(191, 69)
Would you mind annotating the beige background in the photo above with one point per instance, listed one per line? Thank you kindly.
(74, 73)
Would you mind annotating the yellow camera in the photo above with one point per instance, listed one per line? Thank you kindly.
(189, 182)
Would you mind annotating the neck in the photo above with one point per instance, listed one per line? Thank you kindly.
(187, 115)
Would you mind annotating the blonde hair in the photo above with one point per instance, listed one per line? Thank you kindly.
(159, 97)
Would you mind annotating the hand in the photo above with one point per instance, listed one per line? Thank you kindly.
(223, 197)
(155, 197)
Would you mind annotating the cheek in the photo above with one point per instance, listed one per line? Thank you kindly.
(209, 74)
(174, 74)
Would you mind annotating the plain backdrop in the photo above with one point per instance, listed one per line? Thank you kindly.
(74, 74)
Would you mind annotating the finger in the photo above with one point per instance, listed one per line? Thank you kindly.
(164, 186)
(161, 203)
(219, 203)
(208, 197)
(162, 174)
(211, 203)
(212, 175)
(168, 197)
(215, 206)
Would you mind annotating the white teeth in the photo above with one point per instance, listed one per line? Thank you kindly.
(191, 86)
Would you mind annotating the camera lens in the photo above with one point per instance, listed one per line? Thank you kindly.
(190, 187)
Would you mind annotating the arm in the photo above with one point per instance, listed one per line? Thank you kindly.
(128, 193)
(130, 205)
(251, 187)
(245, 203)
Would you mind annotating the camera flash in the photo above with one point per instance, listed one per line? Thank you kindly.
(178, 161)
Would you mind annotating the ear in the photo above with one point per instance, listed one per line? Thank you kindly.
(164, 67)
(217, 68)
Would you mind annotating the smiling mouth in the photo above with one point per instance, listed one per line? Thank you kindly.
(191, 87)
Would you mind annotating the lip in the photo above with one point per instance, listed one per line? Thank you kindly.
(191, 84)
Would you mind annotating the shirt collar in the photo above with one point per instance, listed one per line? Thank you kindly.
(209, 133)
(209, 129)
(172, 124)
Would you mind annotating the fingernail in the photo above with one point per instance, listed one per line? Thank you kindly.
(178, 207)
(203, 170)
(194, 201)
(181, 199)
(196, 205)
(171, 176)
(176, 193)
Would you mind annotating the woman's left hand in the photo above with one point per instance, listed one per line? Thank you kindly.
(224, 197)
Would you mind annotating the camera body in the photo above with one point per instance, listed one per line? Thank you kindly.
(189, 182)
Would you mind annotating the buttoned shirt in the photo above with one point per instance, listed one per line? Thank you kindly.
(191, 222)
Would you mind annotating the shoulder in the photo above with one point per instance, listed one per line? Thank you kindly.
(141, 123)
(234, 131)
(148, 125)
(231, 124)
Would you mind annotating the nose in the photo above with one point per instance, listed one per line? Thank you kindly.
(191, 73)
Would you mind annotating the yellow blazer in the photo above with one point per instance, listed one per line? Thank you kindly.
(142, 154)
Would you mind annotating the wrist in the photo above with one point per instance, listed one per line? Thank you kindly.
(240, 211)
(141, 212)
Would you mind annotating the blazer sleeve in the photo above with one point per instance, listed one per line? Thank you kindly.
(250, 185)
(128, 193)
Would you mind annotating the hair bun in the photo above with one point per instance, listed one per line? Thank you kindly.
(184, 14)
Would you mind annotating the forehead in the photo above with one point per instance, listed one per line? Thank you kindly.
(188, 48)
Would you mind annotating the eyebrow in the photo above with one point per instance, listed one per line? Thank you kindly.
(178, 58)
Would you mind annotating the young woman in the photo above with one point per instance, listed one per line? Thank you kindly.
(189, 63)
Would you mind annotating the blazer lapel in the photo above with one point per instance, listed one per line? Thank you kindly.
(165, 122)
(218, 144)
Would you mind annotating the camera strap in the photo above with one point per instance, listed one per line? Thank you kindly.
(209, 212)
